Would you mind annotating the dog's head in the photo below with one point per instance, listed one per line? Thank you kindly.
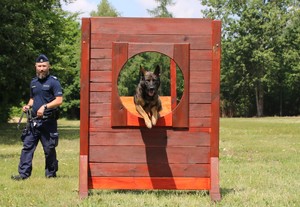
(150, 81)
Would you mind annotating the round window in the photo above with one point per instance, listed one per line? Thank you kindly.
(130, 76)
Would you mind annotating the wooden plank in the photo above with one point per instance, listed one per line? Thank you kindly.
(200, 110)
(84, 86)
(99, 87)
(215, 186)
(173, 84)
(180, 117)
(200, 65)
(144, 26)
(215, 87)
(118, 112)
(150, 155)
(140, 183)
(200, 76)
(200, 122)
(151, 170)
(101, 54)
(100, 110)
(151, 138)
(202, 55)
(99, 123)
(136, 48)
(196, 87)
(100, 97)
(200, 98)
(101, 76)
(101, 64)
(83, 176)
(164, 121)
(128, 103)
(198, 42)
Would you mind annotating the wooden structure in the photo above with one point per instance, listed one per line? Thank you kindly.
(117, 151)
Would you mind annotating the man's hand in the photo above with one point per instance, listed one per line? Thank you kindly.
(26, 108)
(40, 112)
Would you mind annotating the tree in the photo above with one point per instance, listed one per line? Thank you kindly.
(105, 9)
(27, 28)
(67, 65)
(253, 66)
(161, 10)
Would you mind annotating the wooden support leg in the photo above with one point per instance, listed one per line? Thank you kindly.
(83, 176)
(214, 177)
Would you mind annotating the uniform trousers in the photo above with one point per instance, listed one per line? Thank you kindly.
(46, 132)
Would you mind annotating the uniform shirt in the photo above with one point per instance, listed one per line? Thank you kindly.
(43, 91)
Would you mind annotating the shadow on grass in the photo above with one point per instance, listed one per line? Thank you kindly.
(10, 134)
(227, 191)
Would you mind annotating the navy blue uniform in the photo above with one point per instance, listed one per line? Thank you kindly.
(42, 91)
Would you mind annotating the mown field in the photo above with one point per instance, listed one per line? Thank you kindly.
(259, 166)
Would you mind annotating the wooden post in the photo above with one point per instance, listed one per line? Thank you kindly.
(84, 107)
(215, 109)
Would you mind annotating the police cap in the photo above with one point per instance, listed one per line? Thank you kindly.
(42, 58)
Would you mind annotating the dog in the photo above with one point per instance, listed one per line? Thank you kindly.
(146, 98)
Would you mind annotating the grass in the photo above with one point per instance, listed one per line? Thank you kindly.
(259, 166)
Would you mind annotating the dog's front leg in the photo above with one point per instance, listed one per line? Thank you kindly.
(154, 116)
(142, 112)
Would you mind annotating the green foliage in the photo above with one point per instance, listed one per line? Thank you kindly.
(67, 66)
(260, 56)
(105, 9)
(27, 28)
(161, 10)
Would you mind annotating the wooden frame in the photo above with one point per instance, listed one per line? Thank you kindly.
(182, 151)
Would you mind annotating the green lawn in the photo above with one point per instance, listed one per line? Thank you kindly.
(259, 166)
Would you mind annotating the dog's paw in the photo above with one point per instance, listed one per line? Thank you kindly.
(154, 120)
(148, 123)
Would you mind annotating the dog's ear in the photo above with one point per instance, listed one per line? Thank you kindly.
(157, 71)
(142, 72)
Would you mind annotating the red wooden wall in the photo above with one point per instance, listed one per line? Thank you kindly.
(116, 150)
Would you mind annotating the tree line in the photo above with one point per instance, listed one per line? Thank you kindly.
(260, 52)
(260, 71)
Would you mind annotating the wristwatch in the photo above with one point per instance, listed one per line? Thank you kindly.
(45, 106)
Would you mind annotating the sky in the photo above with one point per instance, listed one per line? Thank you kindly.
(138, 8)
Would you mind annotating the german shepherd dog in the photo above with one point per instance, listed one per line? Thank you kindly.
(146, 99)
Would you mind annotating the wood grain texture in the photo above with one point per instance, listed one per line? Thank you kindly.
(117, 151)
(198, 42)
(84, 86)
(156, 137)
(150, 155)
(148, 170)
(146, 26)
(140, 183)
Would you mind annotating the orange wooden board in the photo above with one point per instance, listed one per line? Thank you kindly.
(140, 183)
(128, 103)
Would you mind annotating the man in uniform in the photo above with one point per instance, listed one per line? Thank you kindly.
(45, 97)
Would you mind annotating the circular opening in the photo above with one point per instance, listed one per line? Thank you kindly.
(129, 78)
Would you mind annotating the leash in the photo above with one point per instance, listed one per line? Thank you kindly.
(18, 126)
(28, 115)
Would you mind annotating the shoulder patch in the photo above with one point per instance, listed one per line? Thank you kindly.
(54, 77)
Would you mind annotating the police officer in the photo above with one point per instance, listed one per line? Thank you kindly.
(45, 97)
